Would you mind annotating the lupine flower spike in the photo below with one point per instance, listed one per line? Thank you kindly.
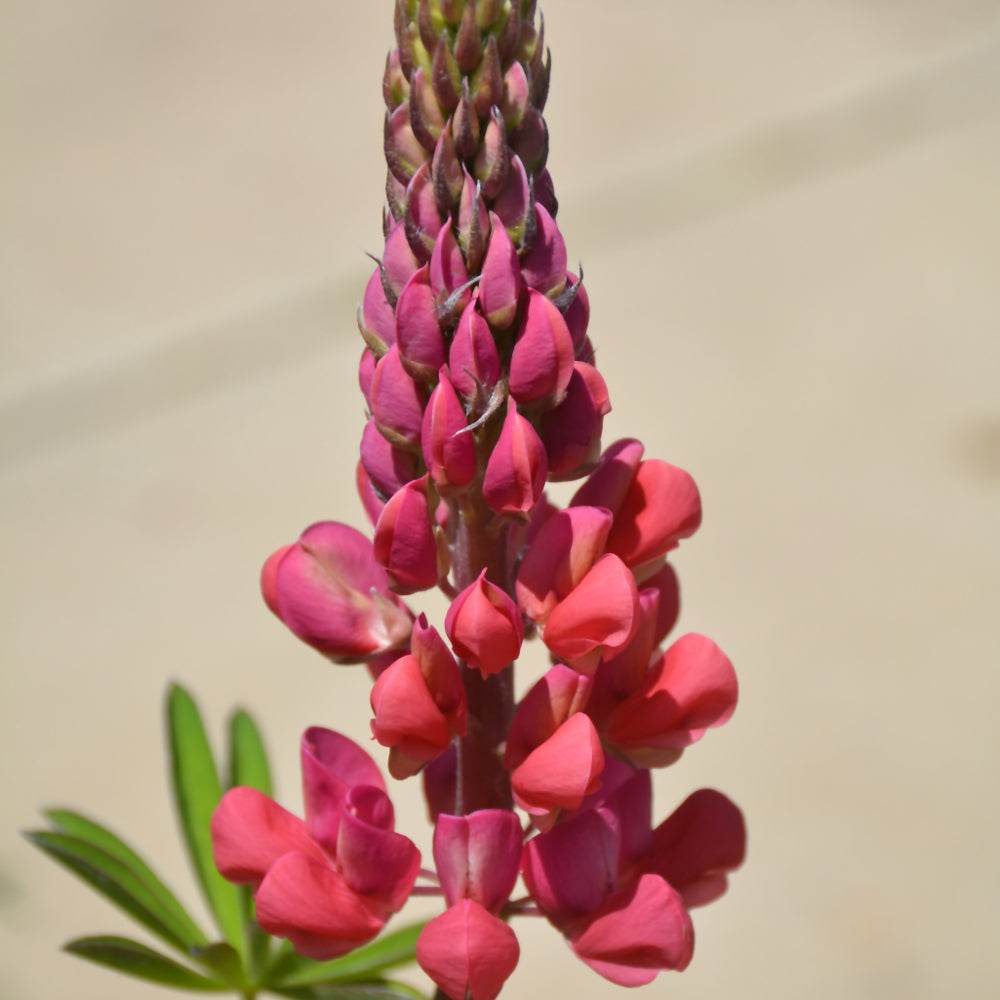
(479, 377)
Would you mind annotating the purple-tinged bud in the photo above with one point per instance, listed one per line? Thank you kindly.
(485, 627)
(517, 467)
(366, 372)
(545, 193)
(370, 500)
(544, 265)
(376, 319)
(425, 25)
(572, 430)
(403, 28)
(426, 118)
(445, 75)
(395, 196)
(530, 140)
(473, 359)
(500, 284)
(397, 401)
(540, 82)
(487, 12)
(418, 336)
(493, 157)
(452, 10)
(465, 124)
(533, 50)
(449, 449)
(608, 485)
(487, 81)
(468, 43)
(509, 33)
(577, 312)
(542, 362)
(515, 98)
(513, 203)
(398, 263)
(395, 86)
(404, 539)
(473, 224)
(447, 174)
(421, 215)
(449, 277)
(403, 150)
(389, 468)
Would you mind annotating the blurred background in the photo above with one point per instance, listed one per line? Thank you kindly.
(789, 217)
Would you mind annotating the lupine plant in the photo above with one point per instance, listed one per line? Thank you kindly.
(481, 387)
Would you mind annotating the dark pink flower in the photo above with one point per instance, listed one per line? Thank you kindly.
(329, 590)
(542, 362)
(543, 267)
(330, 882)
(418, 334)
(397, 401)
(500, 284)
(448, 445)
(517, 467)
(473, 361)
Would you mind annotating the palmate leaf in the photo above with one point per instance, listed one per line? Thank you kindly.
(167, 906)
(119, 883)
(135, 959)
(197, 790)
(388, 952)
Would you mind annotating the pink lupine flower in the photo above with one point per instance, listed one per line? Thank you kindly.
(473, 361)
(329, 590)
(449, 449)
(467, 948)
(485, 626)
(608, 484)
(516, 470)
(404, 543)
(689, 689)
(571, 430)
(330, 882)
(500, 284)
(468, 952)
(597, 618)
(419, 703)
(559, 556)
(542, 362)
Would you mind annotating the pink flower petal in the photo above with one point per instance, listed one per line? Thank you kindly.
(478, 856)
(485, 626)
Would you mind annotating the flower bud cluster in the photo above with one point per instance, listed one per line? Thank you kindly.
(479, 379)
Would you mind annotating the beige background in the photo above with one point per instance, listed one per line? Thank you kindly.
(789, 216)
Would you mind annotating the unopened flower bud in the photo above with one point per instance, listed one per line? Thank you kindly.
(418, 336)
(376, 318)
(426, 118)
(403, 150)
(500, 284)
(448, 277)
(473, 224)
(516, 469)
(398, 262)
(404, 539)
(513, 203)
(542, 362)
(544, 265)
(493, 157)
(571, 431)
(473, 360)
(421, 215)
(485, 627)
(389, 468)
(397, 401)
(515, 98)
(449, 448)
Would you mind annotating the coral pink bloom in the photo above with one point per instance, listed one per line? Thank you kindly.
(404, 541)
(608, 484)
(468, 952)
(661, 507)
(517, 467)
(330, 882)
(691, 688)
(478, 856)
(485, 627)
(329, 590)
(560, 772)
(560, 555)
(597, 618)
(419, 703)
(637, 932)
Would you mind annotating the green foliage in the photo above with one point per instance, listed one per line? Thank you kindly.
(247, 960)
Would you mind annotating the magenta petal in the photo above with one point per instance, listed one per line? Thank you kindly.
(637, 932)
(517, 467)
(251, 831)
(468, 952)
(697, 845)
(485, 626)
(397, 401)
(331, 765)
(544, 265)
(478, 856)
(374, 860)
(542, 362)
(500, 284)
(608, 484)
(309, 902)
(473, 360)
(404, 542)
(418, 335)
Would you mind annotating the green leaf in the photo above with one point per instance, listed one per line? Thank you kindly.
(167, 907)
(388, 952)
(115, 880)
(247, 756)
(224, 961)
(137, 960)
(376, 989)
(197, 791)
